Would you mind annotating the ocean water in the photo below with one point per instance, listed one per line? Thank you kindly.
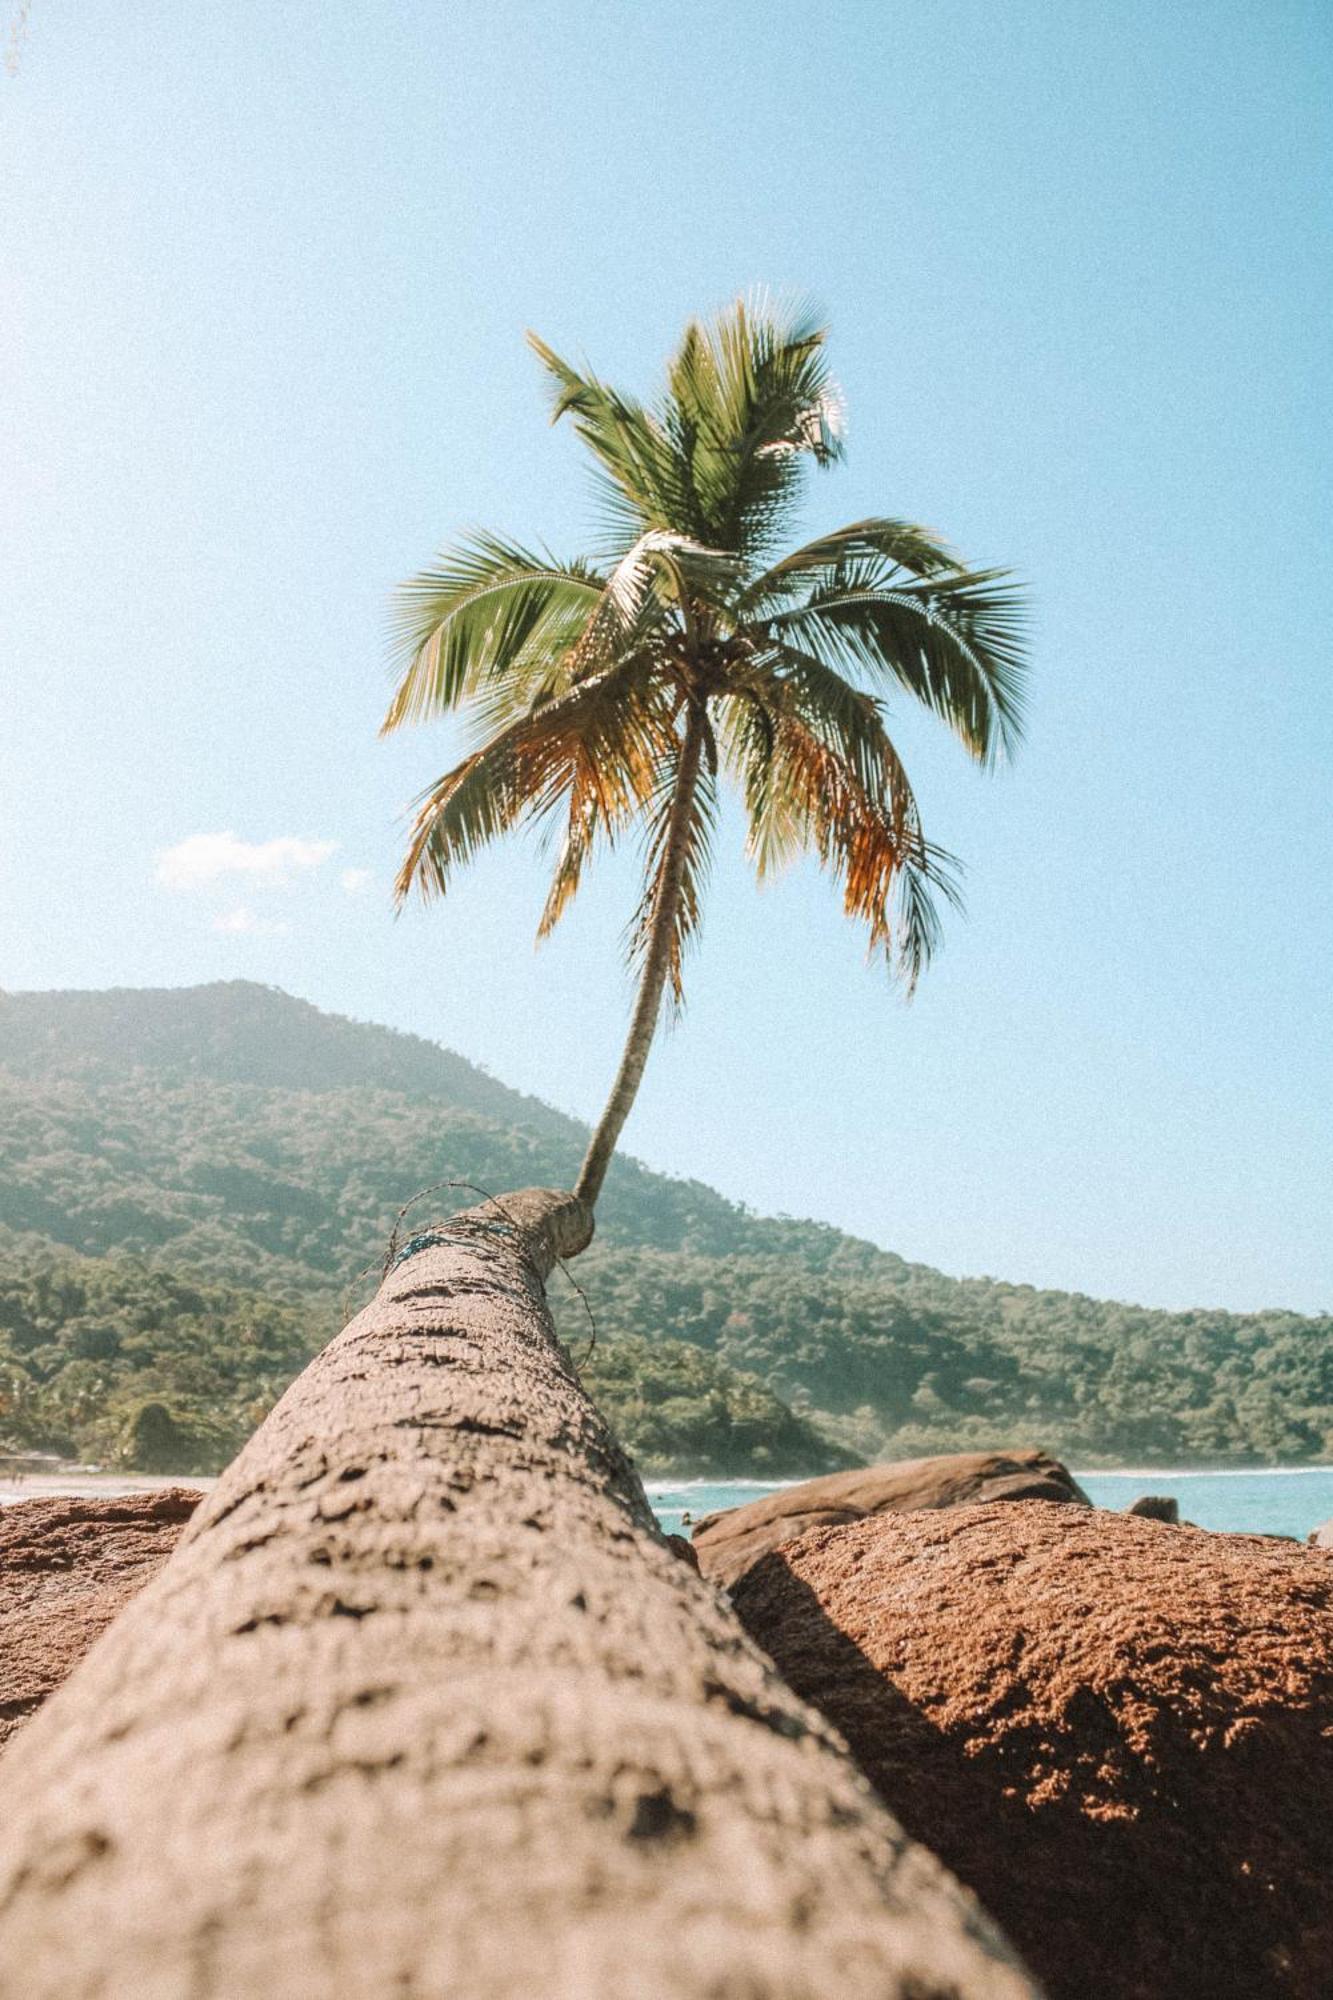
(1273, 1502)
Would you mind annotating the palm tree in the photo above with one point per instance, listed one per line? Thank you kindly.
(612, 694)
(422, 1692)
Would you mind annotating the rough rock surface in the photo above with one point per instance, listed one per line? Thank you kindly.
(422, 1705)
(1119, 1735)
(728, 1542)
(66, 1567)
(1157, 1507)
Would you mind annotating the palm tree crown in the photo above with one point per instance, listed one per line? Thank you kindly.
(612, 694)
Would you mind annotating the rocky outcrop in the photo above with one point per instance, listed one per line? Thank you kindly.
(1157, 1507)
(66, 1567)
(728, 1543)
(1121, 1740)
(1322, 1538)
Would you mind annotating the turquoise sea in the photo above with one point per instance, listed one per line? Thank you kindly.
(1274, 1502)
(1268, 1502)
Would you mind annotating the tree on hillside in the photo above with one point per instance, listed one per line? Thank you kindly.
(613, 694)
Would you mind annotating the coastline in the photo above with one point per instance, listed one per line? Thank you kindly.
(1287, 1500)
(664, 1483)
(1290, 1500)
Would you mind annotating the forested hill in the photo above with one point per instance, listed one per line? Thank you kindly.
(239, 1032)
(173, 1040)
(234, 1158)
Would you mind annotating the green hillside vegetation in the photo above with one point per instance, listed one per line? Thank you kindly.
(122, 1363)
(193, 1184)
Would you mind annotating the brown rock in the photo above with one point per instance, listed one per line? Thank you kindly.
(66, 1567)
(1121, 1740)
(1322, 1538)
(1157, 1507)
(728, 1542)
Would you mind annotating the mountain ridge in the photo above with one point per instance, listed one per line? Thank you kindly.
(388, 1059)
(166, 1012)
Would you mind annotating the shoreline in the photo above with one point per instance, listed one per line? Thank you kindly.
(88, 1482)
(663, 1483)
(83, 1483)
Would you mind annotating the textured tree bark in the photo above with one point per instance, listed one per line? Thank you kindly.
(424, 1707)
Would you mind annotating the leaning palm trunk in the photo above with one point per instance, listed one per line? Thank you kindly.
(424, 1705)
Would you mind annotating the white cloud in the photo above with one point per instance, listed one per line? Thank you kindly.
(204, 858)
(356, 880)
(242, 919)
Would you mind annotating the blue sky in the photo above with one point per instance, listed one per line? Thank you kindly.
(266, 273)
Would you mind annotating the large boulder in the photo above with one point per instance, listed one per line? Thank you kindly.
(1322, 1538)
(728, 1542)
(1157, 1507)
(1121, 1740)
(66, 1567)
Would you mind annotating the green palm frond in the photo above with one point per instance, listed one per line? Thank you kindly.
(484, 610)
(643, 484)
(683, 574)
(787, 682)
(749, 399)
(636, 614)
(954, 641)
(875, 550)
(845, 717)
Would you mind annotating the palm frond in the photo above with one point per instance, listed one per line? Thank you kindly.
(846, 717)
(642, 486)
(954, 641)
(602, 741)
(786, 681)
(684, 573)
(820, 774)
(694, 862)
(875, 550)
(585, 817)
(485, 609)
(749, 398)
(608, 779)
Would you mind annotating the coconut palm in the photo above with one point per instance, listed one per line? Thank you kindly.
(613, 694)
(502, 1741)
